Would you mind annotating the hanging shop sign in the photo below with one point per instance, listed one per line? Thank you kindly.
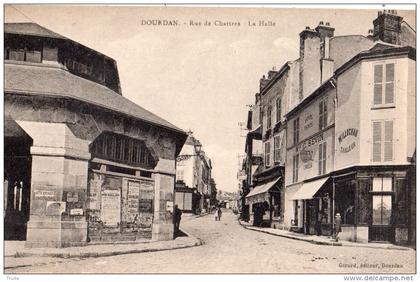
(111, 207)
(347, 140)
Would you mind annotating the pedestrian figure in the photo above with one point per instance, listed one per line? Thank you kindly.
(219, 213)
(216, 214)
(337, 226)
(177, 217)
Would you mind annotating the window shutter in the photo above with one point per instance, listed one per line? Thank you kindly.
(389, 88)
(388, 142)
(378, 84)
(324, 157)
(377, 139)
(378, 73)
(320, 154)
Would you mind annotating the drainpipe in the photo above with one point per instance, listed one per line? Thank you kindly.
(333, 206)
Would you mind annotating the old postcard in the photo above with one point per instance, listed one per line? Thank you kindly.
(159, 139)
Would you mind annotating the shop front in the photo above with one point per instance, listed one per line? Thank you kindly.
(264, 203)
(372, 203)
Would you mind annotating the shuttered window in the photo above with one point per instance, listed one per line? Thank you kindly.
(383, 89)
(267, 154)
(323, 114)
(382, 140)
(278, 110)
(295, 168)
(322, 158)
(277, 148)
(388, 144)
(269, 111)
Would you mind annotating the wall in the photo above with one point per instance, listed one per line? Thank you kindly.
(347, 118)
(398, 113)
(343, 48)
(309, 138)
(187, 165)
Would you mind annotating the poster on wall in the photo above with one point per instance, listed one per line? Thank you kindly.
(133, 197)
(94, 194)
(111, 207)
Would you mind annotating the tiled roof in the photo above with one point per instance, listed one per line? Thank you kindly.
(56, 82)
(30, 29)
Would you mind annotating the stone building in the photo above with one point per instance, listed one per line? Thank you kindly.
(350, 125)
(82, 163)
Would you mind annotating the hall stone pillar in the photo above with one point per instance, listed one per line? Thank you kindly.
(58, 186)
(164, 177)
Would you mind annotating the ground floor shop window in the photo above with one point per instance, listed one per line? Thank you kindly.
(345, 201)
(183, 200)
(295, 221)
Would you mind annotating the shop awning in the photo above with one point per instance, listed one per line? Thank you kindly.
(309, 189)
(258, 193)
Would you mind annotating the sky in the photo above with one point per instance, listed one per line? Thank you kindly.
(199, 78)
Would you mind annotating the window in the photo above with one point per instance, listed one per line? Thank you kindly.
(382, 140)
(296, 213)
(296, 131)
(322, 158)
(381, 203)
(267, 154)
(122, 149)
(278, 110)
(277, 150)
(179, 174)
(295, 168)
(323, 114)
(383, 92)
(269, 110)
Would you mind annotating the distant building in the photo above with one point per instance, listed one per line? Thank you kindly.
(193, 181)
(82, 163)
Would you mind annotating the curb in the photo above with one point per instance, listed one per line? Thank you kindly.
(343, 244)
(71, 255)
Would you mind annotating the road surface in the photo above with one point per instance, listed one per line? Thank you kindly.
(230, 248)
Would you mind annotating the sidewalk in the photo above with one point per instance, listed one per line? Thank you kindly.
(320, 240)
(16, 255)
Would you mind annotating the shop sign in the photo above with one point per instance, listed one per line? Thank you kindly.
(72, 197)
(347, 140)
(308, 122)
(44, 194)
(76, 212)
(169, 206)
(111, 207)
(311, 141)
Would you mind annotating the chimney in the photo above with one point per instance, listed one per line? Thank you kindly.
(387, 27)
(263, 82)
(325, 30)
(271, 74)
(309, 61)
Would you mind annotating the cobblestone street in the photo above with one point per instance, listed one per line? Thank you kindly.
(229, 248)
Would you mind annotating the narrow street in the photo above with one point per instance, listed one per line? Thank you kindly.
(230, 248)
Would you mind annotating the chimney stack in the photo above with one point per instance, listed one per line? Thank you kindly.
(263, 82)
(387, 27)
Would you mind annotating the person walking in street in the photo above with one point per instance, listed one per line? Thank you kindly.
(177, 217)
(219, 213)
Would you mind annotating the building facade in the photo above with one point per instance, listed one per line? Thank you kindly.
(82, 163)
(193, 177)
(350, 133)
